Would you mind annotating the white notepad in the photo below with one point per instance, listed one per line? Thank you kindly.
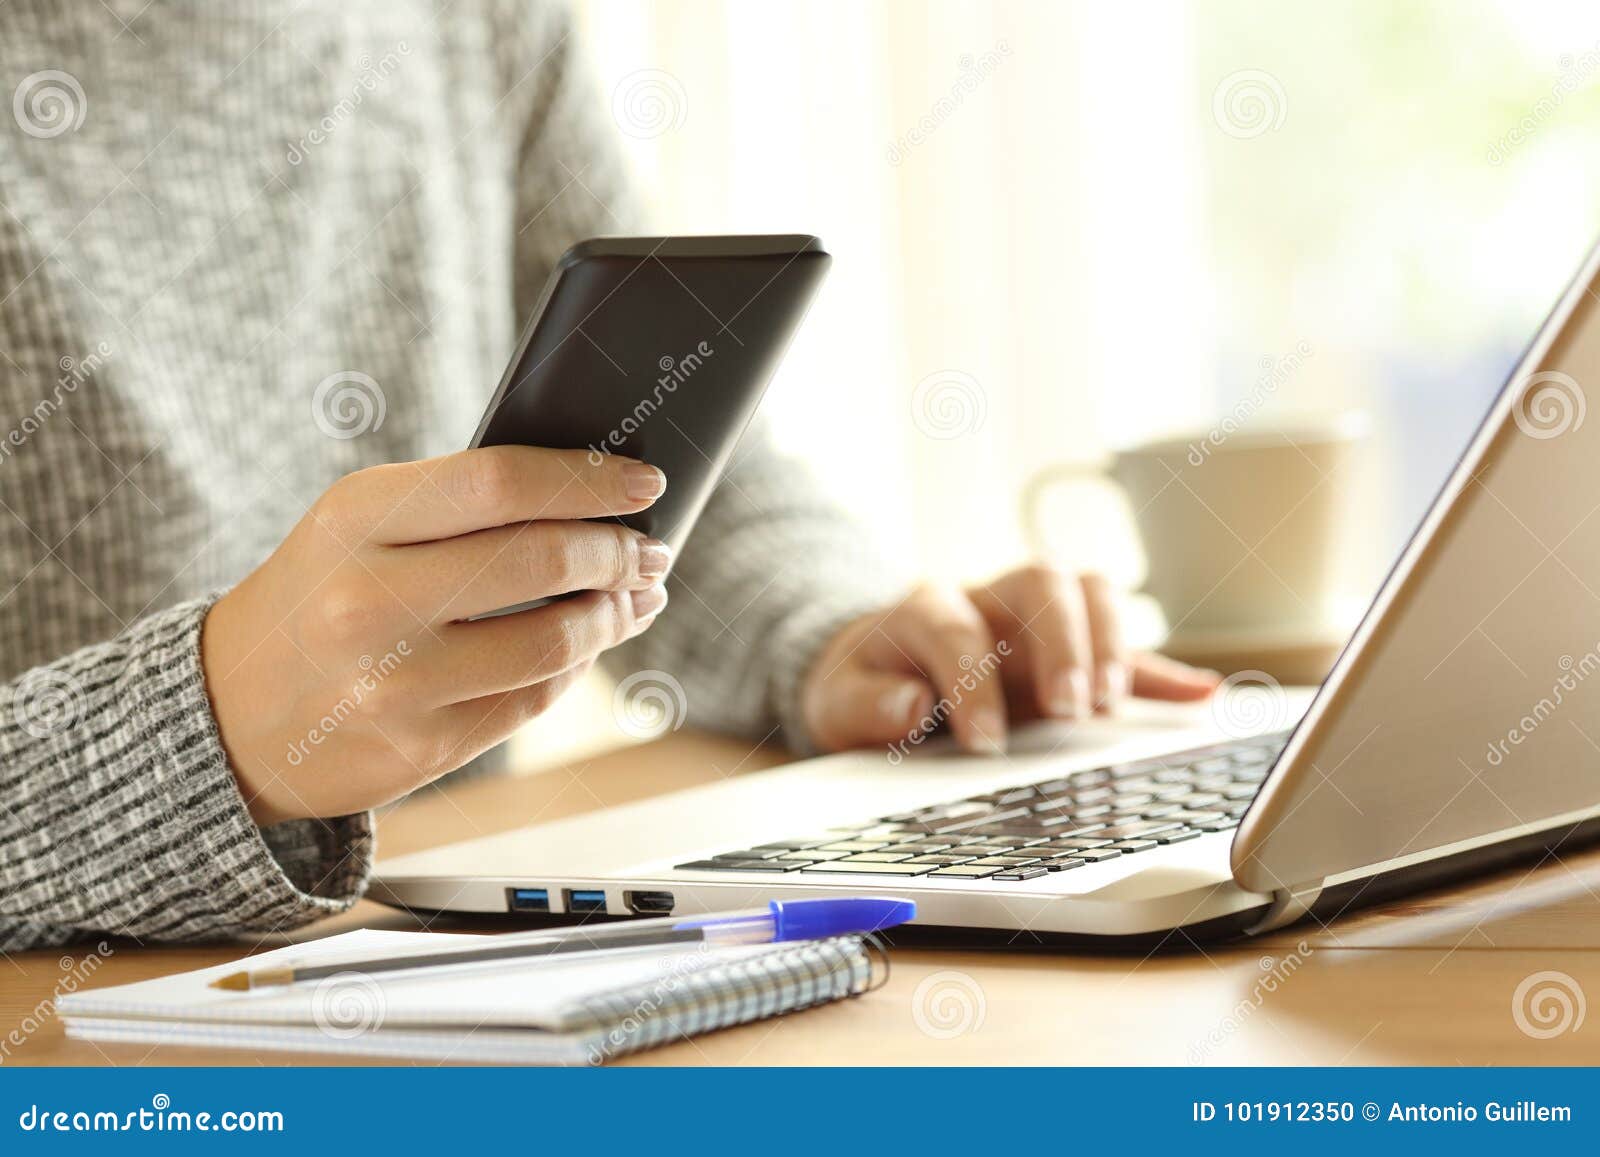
(577, 1009)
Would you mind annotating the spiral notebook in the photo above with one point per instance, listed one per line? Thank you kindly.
(583, 1009)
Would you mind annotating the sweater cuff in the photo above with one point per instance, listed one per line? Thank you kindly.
(235, 876)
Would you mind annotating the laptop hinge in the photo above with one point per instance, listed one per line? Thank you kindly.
(1288, 905)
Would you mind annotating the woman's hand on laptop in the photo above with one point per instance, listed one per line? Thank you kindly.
(342, 671)
(1035, 643)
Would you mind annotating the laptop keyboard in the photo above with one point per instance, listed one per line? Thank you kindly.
(1020, 833)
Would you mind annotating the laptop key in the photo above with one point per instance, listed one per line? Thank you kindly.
(763, 865)
(1015, 795)
(1020, 873)
(987, 819)
(848, 846)
(750, 854)
(1075, 845)
(1177, 837)
(1007, 861)
(964, 871)
(887, 856)
(845, 866)
(1095, 855)
(739, 866)
(1065, 862)
(813, 857)
(942, 859)
(1138, 828)
(972, 851)
(1134, 800)
(1134, 845)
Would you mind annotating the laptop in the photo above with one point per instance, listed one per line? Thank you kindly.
(1459, 731)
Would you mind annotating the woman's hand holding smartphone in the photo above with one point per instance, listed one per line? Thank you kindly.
(343, 672)
(366, 658)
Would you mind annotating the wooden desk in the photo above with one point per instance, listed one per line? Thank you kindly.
(1427, 981)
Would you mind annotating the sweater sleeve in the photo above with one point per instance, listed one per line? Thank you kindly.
(120, 815)
(773, 569)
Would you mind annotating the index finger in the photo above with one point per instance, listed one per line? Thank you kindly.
(486, 487)
(952, 646)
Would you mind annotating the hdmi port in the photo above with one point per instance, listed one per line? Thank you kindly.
(648, 903)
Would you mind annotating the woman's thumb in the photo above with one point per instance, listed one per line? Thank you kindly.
(857, 708)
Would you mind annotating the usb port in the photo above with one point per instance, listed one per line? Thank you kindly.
(648, 903)
(528, 899)
(585, 900)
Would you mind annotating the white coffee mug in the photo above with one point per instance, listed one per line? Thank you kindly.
(1241, 533)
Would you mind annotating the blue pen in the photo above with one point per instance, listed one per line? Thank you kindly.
(780, 920)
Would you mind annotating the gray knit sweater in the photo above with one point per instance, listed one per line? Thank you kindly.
(203, 216)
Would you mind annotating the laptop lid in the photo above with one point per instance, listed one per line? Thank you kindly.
(1466, 707)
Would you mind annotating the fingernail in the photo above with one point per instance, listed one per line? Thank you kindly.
(1111, 684)
(641, 480)
(1080, 690)
(655, 557)
(1063, 698)
(990, 728)
(649, 601)
(898, 705)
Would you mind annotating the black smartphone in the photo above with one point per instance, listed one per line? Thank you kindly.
(656, 348)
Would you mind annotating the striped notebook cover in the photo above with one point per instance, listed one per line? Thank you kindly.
(557, 1010)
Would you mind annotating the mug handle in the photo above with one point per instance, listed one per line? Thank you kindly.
(1046, 479)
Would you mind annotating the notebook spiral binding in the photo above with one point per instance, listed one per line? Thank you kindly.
(685, 1004)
